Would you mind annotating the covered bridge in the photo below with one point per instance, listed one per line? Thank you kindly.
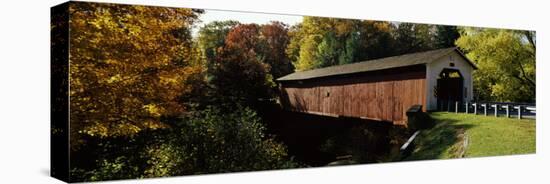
(381, 89)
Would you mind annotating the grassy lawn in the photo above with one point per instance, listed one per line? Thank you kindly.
(467, 135)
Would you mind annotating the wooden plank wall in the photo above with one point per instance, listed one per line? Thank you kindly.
(383, 96)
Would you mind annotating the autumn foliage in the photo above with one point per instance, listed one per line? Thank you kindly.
(141, 101)
(254, 55)
(150, 97)
(129, 65)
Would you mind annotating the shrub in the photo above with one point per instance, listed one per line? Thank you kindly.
(226, 142)
(107, 169)
(212, 140)
(165, 159)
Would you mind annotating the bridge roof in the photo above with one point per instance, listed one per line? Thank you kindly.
(375, 64)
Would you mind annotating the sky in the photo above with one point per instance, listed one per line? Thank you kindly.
(244, 17)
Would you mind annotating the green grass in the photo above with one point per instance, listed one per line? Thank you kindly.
(486, 136)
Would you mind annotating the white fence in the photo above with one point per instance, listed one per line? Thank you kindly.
(497, 109)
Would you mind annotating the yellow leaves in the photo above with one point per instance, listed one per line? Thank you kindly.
(111, 61)
(97, 130)
(128, 129)
(169, 80)
(269, 81)
(134, 30)
(154, 124)
(113, 79)
(153, 110)
(100, 129)
(122, 74)
(96, 24)
(382, 26)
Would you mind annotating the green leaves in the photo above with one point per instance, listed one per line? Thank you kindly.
(411, 37)
(212, 36)
(506, 62)
(446, 36)
(229, 142)
(320, 42)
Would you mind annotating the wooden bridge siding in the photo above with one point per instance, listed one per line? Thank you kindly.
(302, 99)
(403, 99)
(385, 103)
(369, 106)
(380, 97)
(312, 94)
(398, 101)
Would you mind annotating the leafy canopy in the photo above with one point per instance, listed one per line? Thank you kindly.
(320, 42)
(212, 36)
(129, 66)
(506, 61)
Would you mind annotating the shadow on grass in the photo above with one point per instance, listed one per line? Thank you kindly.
(440, 142)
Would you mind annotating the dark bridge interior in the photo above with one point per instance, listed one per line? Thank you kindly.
(450, 84)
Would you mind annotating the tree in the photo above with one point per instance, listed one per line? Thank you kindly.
(446, 36)
(129, 67)
(296, 39)
(215, 140)
(212, 36)
(327, 51)
(212, 140)
(307, 57)
(255, 55)
(135, 74)
(375, 40)
(349, 49)
(305, 39)
(320, 42)
(411, 37)
(240, 73)
(506, 62)
(275, 40)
